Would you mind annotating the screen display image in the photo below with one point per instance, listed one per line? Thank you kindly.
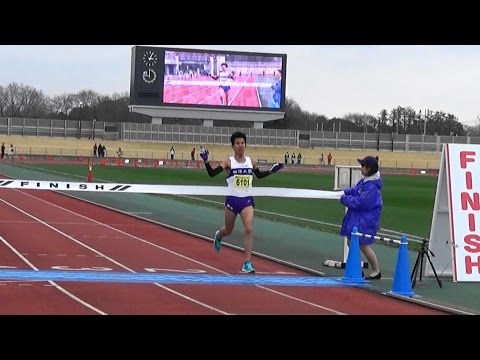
(224, 79)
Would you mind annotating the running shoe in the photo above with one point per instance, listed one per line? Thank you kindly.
(217, 243)
(248, 268)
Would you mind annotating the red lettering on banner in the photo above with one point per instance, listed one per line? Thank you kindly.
(464, 159)
(472, 240)
(468, 180)
(467, 198)
(469, 264)
(471, 222)
(470, 202)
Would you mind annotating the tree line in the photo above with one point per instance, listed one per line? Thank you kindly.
(18, 100)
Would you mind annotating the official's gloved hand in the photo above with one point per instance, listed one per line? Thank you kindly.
(204, 154)
(276, 167)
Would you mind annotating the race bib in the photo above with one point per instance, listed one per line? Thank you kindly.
(242, 181)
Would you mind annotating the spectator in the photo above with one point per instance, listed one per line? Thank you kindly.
(119, 153)
(3, 150)
(287, 156)
(11, 152)
(299, 158)
(172, 153)
(329, 158)
(322, 160)
(95, 149)
(293, 158)
(100, 150)
(192, 154)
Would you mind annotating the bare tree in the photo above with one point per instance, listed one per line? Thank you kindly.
(363, 122)
(33, 102)
(62, 104)
(12, 100)
(3, 103)
(383, 121)
(21, 100)
(474, 130)
(119, 96)
(87, 98)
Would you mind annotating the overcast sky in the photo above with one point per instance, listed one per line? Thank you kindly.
(330, 80)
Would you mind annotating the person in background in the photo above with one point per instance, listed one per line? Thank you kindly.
(277, 90)
(11, 152)
(100, 150)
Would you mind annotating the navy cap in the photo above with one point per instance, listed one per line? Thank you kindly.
(369, 161)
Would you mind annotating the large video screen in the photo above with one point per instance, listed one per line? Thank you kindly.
(224, 79)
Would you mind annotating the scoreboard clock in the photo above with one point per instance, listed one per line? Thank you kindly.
(150, 58)
(145, 84)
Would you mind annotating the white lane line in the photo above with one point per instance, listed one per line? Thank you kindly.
(176, 254)
(105, 256)
(58, 287)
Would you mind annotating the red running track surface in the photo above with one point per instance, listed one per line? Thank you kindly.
(44, 230)
(210, 95)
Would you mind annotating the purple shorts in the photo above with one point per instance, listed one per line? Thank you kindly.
(237, 204)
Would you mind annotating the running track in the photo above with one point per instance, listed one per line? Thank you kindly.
(46, 231)
(209, 95)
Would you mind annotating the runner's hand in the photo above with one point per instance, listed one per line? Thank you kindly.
(276, 167)
(204, 154)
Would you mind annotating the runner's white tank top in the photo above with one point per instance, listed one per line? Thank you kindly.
(240, 177)
(224, 77)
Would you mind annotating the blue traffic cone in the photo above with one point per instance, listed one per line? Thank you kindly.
(353, 268)
(402, 284)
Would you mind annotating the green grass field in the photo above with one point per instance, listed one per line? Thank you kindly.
(408, 200)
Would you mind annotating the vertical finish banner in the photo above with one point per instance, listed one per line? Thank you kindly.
(464, 203)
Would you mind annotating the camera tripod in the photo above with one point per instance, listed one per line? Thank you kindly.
(424, 251)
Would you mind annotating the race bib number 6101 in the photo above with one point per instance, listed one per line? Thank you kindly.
(242, 181)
